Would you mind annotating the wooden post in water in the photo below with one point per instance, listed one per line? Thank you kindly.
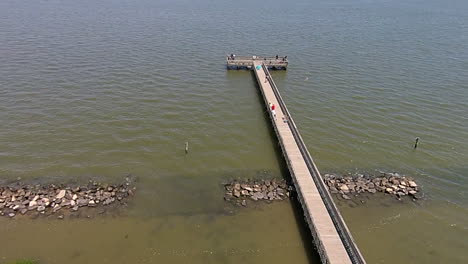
(186, 147)
(416, 143)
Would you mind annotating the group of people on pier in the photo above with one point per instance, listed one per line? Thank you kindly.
(284, 58)
(233, 57)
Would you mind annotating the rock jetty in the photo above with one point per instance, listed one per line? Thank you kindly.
(257, 190)
(390, 183)
(50, 199)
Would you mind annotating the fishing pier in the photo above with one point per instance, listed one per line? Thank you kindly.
(332, 238)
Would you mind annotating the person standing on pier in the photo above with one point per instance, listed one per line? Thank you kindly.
(273, 111)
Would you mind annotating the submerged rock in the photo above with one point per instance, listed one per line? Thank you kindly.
(346, 197)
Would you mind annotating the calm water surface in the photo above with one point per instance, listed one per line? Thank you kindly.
(102, 89)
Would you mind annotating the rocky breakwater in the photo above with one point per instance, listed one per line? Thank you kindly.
(390, 183)
(50, 199)
(257, 190)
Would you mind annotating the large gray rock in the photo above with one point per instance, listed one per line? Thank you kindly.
(61, 194)
(247, 188)
(82, 202)
(65, 202)
(258, 196)
(344, 188)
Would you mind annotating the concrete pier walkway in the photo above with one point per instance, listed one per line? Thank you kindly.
(331, 236)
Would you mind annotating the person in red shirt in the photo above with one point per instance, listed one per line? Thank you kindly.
(273, 112)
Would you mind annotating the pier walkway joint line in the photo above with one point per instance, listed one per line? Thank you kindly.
(332, 238)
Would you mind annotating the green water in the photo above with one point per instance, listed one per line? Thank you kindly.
(102, 89)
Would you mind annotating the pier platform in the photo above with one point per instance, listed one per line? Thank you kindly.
(234, 62)
(331, 236)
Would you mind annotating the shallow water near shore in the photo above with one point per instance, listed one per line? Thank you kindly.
(175, 238)
(103, 89)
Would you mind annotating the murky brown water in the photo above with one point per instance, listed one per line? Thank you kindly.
(109, 88)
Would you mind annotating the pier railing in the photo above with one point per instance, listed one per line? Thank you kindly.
(342, 229)
(259, 58)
